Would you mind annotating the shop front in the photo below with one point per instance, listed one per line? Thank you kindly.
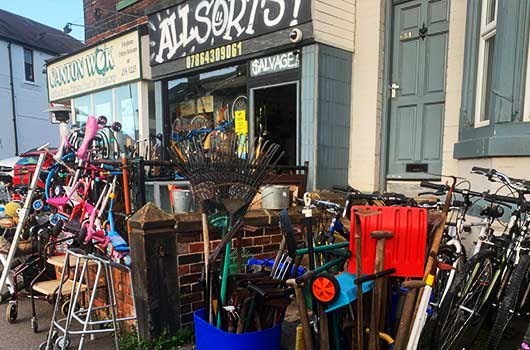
(105, 79)
(254, 68)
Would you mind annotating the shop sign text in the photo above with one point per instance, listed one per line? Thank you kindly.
(274, 64)
(111, 63)
(218, 54)
(196, 26)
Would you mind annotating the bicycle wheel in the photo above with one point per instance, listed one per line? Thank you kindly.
(200, 121)
(508, 303)
(240, 104)
(444, 280)
(525, 344)
(466, 303)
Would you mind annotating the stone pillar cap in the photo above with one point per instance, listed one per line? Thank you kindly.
(151, 217)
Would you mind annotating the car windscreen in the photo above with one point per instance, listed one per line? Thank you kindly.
(29, 160)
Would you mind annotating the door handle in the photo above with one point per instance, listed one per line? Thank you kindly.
(394, 90)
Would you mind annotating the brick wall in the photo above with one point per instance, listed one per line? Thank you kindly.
(112, 22)
(122, 287)
(261, 238)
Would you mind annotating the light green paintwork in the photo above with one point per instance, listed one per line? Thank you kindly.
(419, 68)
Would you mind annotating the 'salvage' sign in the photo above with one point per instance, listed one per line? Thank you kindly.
(199, 25)
(274, 64)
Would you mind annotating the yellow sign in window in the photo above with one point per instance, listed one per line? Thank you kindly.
(241, 122)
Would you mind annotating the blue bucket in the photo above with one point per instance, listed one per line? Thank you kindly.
(208, 337)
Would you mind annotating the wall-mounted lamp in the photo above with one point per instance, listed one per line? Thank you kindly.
(68, 27)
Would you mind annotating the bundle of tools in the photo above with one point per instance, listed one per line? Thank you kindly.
(224, 184)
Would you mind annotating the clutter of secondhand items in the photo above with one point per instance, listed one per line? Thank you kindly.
(369, 271)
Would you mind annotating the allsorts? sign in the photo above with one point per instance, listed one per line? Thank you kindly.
(274, 64)
(114, 62)
(197, 26)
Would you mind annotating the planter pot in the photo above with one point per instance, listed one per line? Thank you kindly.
(208, 337)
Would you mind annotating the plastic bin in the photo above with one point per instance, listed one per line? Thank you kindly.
(208, 337)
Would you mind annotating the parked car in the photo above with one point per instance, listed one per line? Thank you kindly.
(26, 165)
(7, 169)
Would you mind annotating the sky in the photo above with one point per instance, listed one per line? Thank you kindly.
(54, 13)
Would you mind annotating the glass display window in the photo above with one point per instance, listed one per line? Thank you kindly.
(212, 101)
(119, 104)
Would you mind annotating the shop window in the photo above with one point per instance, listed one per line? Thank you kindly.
(28, 65)
(103, 104)
(488, 31)
(127, 110)
(213, 100)
(119, 104)
(83, 108)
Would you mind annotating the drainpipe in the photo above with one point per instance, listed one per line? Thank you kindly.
(14, 108)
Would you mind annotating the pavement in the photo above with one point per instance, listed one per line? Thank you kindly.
(20, 336)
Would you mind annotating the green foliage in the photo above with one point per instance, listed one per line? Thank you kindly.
(184, 336)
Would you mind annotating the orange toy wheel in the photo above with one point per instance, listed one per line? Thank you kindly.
(325, 288)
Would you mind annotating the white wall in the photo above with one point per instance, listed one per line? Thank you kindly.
(334, 23)
(6, 116)
(31, 99)
(367, 95)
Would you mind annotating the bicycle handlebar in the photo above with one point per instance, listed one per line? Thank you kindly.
(346, 189)
(519, 185)
(433, 186)
(493, 198)
(480, 170)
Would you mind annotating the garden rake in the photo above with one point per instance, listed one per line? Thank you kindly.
(224, 184)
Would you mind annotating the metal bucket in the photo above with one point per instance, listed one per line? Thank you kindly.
(182, 201)
(275, 197)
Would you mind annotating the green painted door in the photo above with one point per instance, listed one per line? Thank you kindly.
(417, 88)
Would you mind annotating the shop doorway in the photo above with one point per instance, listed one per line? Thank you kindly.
(275, 110)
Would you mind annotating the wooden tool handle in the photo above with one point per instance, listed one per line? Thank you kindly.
(406, 316)
(302, 310)
(413, 284)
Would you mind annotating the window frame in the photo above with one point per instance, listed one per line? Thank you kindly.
(487, 31)
(27, 49)
(526, 102)
(114, 110)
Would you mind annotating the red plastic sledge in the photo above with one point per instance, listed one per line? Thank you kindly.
(405, 251)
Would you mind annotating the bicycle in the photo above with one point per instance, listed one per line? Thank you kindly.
(451, 254)
(483, 282)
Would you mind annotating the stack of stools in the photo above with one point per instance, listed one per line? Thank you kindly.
(94, 274)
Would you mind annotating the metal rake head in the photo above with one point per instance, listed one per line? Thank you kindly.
(220, 179)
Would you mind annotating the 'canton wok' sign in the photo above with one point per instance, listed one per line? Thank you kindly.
(198, 26)
(111, 63)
